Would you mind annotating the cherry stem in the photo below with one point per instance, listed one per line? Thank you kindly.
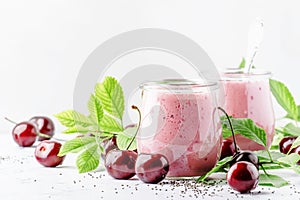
(138, 127)
(11, 121)
(49, 137)
(43, 135)
(266, 163)
(38, 133)
(231, 128)
(266, 173)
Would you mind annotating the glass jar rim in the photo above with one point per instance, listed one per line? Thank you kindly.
(196, 85)
(236, 73)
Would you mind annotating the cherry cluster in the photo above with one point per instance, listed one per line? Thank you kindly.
(124, 164)
(39, 128)
(243, 173)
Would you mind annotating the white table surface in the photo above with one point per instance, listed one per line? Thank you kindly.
(21, 177)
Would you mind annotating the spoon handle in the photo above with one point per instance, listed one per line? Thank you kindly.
(255, 36)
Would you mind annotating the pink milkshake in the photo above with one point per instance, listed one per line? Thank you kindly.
(248, 96)
(180, 120)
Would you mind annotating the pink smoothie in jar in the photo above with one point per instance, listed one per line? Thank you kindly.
(249, 96)
(180, 121)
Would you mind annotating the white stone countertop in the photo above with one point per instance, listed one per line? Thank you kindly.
(22, 178)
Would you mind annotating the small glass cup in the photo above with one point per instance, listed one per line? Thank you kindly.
(249, 96)
(179, 120)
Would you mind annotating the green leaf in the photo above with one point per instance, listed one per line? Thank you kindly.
(76, 129)
(89, 159)
(272, 180)
(95, 109)
(226, 132)
(291, 130)
(248, 129)
(242, 64)
(296, 169)
(76, 145)
(111, 95)
(110, 124)
(70, 118)
(295, 144)
(291, 117)
(276, 140)
(272, 166)
(220, 167)
(263, 155)
(290, 159)
(124, 139)
(284, 98)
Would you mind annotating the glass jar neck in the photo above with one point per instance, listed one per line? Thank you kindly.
(180, 86)
(239, 74)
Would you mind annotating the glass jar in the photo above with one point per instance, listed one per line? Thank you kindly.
(249, 96)
(179, 120)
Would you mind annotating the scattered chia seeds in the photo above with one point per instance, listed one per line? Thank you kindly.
(96, 182)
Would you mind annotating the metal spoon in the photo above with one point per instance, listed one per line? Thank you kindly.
(255, 36)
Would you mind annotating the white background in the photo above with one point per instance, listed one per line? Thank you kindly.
(43, 43)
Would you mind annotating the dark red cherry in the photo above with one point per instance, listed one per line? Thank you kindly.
(243, 176)
(245, 156)
(227, 149)
(120, 164)
(109, 145)
(46, 153)
(286, 143)
(151, 168)
(296, 150)
(24, 134)
(44, 125)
